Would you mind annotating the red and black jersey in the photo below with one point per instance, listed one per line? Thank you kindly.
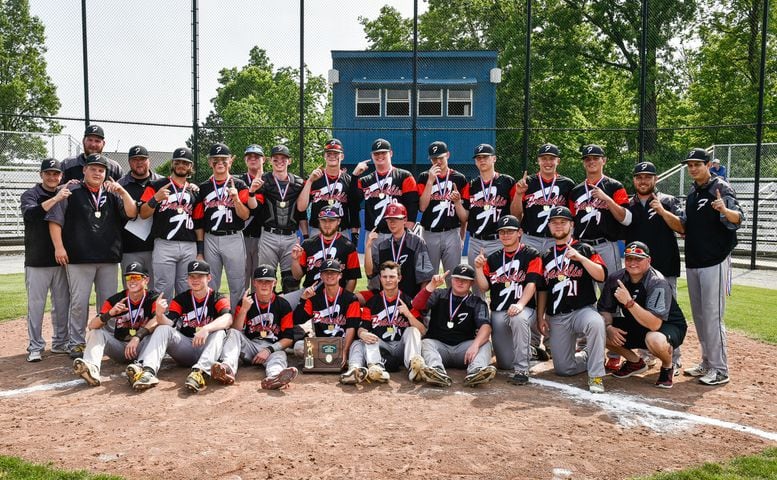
(268, 321)
(189, 314)
(452, 319)
(650, 228)
(381, 316)
(509, 272)
(440, 215)
(339, 192)
(593, 220)
(379, 190)
(487, 202)
(135, 317)
(411, 253)
(253, 224)
(215, 212)
(315, 250)
(279, 206)
(570, 287)
(331, 316)
(538, 200)
(173, 216)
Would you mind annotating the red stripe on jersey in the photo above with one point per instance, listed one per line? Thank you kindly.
(621, 197)
(486, 270)
(243, 195)
(420, 187)
(465, 192)
(409, 185)
(147, 194)
(512, 191)
(354, 310)
(175, 307)
(287, 322)
(222, 306)
(535, 266)
(353, 260)
(106, 307)
(596, 258)
(303, 259)
(366, 314)
(309, 307)
(199, 211)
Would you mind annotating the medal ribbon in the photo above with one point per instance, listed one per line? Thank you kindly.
(396, 254)
(179, 194)
(377, 179)
(443, 191)
(329, 184)
(259, 306)
(134, 316)
(556, 257)
(326, 249)
(328, 305)
(542, 188)
(486, 192)
(202, 312)
(393, 318)
(222, 195)
(281, 192)
(451, 311)
(508, 271)
(587, 192)
(96, 198)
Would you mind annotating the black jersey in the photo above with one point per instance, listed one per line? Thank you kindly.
(315, 250)
(381, 316)
(331, 316)
(650, 228)
(38, 249)
(253, 224)
(216, 212)
(279, 201)
(173, 216)
(189, 314)
(136, 188)
(487, 202)
(652, 292)
(509, 272)
(593, 220)
(379, 190)
(411, 253)
(569, 285)
(440, 215)
(538, 200)
(452, 319)
(268, 321)
(73, 168)
(136, 316)
(338, 192)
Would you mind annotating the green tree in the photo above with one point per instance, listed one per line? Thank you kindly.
(389, 31)
(26, 91)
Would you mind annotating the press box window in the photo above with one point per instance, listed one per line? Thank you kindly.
(367, 103)
(430, 103)
(397, 103)
(459, 103)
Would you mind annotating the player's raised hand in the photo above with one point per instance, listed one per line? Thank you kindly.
(434, 171)
(719, 204)
(439, 279)
(62, 193)
(161, 305)
(163, 192)
(656, 205)
(256, 184)
(296, 251)
(522, 185)
(310, 291)
(372, 236)
(317, 173)
(361, 167)
(480, 260)
(403, 309)
(573, 254)
(119, 308)
(622, 294)
(599, 194)
(247, 300)
(455, 195)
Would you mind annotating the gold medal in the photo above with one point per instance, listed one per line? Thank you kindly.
(546, 207)
(382, 195)
(450, 324)
(330, 328)
(508, 284)
(282, 204)
(331, 202)
(561, 277)
(263, 333)
(98, 214)
(179, 210)
(390, 330)
(196, 330)
(133, 332)
(486, 207)
(589, 209)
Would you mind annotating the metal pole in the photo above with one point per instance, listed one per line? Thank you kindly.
(526, 89)
(85, 62)
(642, 80)
(301, 87)
(759, 135)
(195, 85)
(414, 93)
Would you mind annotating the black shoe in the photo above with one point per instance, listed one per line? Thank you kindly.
(542, 355)
(518, 378)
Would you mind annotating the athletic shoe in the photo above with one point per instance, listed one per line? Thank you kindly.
(146, 380)
(630, 368)
(518, 378)
(541, 354)
(283, 378)
(134, 372)
(696, 371)
(612, 365)
(665, 377)
(60, 350)
(34, 357)
(595, 385)
(484, 375)
(376, 373)
(353, 375)
(222, 373)
(195, 382)
(649, 358)
(437, 377)
(416, 370)
(677, 368)
(714, 378)
(77, 351)
(87, 371)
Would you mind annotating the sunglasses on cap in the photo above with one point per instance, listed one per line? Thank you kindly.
(134, 277)
(329, 214)
(635, 251)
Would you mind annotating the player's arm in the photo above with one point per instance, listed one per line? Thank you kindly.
(542, 301)
(298, 259)
(643, 316)
(60, 254)
(425, 191)
(239, 199)
(350, 285)
(516, 205)
(369, 267)
(480, 274)
(410, 316)
(595, 269)
(671, 219)
(303, 200)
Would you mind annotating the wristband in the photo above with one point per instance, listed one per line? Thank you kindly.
(200, 247)
(142, 332)
(104, 317)
(153, 203)
(270, 348)
(629, 304)
(305, 236)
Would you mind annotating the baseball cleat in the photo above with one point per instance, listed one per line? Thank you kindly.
(714, 378)
(484, 375)
(145, 381)
(677, 368)
(518, 378)
(134, 372)
(696, 371)
(353, 375)
(60, 350)
(283, 378)
(631, 368)
(665, 377)
(34, 357)
(77, 351)
(376, 373)
(612, 365)
(87, 371)
(222, 373)
(437, 377)
(416, 372)
(595, 385)
(195, 382)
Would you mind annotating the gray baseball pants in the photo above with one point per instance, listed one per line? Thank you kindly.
(489, 247)
(237, 346)
(167, 339)
(39, 281)
(145, 259)
(707, 292)
(541, 244)
(80, 278)
(511, 336)
(101, 342)
(564, 330)
(446, 247)
(611, 254)
(252, 258)
(437, 355)
(407, 347)
(275, 249)
(227, 252)
(170, 260)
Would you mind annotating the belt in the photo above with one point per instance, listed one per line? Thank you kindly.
(223, 233)
(594, 241)
(280, 231)
(493, 236)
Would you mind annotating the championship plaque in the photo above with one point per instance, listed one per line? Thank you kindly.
(323, 355)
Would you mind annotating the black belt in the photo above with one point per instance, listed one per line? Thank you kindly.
(594, 241)
(224, 233)
(280, 231)
(493, 236)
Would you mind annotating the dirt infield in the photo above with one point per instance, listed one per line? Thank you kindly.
(319, 429)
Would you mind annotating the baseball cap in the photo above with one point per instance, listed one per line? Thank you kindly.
(280, 150)
(219, 150)
(333, 145)
(644, 167)
(715, 160)
(264, 272)
(257, 149)
(97, 159)
(637, 249)
(331, 265)
(137, 151)
(136, 268)
(592, 150)
(198, 266)
(183, 153)
(508, 222)
(548, 149)
(50, 164)
(561, 212)
(329, 212)
(381, 145)
(463, 271)
(697, 155)
(395, 210)
(483, 149)
(437, 149)
(95, 130)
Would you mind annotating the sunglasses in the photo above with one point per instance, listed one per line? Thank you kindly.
(133, 278)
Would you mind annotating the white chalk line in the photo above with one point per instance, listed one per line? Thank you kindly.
(41, 388)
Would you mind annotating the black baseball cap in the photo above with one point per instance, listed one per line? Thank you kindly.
(644, 167)
(561, 212)
(483, 149)
(95, 130)
(591, 150)
(333, 145)
(381, 145)
(257, 149)
(330, 211)
(97, 159)
(136, 268)
(508, 222)
(331, 265)
(548, 149)
(463, 271)
(437, 149)
(697, 155)
(50, 164)
(183, 153)
(637, 249)
(137, 151)
(264, 272)
(280, 150)
(219, 150)
(199, 267)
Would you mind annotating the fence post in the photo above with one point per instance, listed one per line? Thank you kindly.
(195, 88)
(85, 53)
(301, 88)
(414, 92)
(642, 79)
(526, 89)
(759, 135)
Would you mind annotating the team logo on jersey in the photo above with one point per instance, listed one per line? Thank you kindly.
(702, 203)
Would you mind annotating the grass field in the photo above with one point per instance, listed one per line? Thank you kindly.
(16, 469)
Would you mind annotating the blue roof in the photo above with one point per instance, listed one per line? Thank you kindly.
(420, 81)
(409, 54)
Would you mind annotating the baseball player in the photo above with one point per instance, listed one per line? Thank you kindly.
(511, 274)
(254, 159)
(651, 317)
(261, 333)
(93, 143)
(42, 273)
(219, 220)
(486, 199)
(280, 215)
(403, 247)
(388, 325)
(458, 331)
(712, 218)
(135, 182)
(334, 311)
(444, 217)
(565, 302)
(330, 186)
(134, 312)
(171, 202)
(85, 229)
(192, 332)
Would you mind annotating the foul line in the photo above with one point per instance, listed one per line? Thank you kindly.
(41, 388)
